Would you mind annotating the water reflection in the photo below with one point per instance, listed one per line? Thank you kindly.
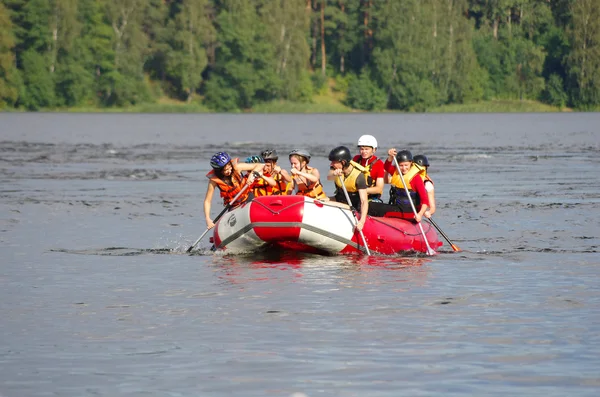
(343, 270)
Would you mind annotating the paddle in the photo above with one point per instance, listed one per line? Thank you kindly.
(355, 218)
(430, 251)
(227, 207)
(454, 247)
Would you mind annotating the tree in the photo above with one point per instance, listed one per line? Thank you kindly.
(186, 59)
(245, 61)
(130, 43)
(38, 85)
(364, 94)
(8, 71)
(38, 82)
(584, 59)
(402, 55)
(287, 23)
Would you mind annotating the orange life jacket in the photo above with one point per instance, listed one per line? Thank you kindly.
(262, 187)
(314, 190)
(229, 191)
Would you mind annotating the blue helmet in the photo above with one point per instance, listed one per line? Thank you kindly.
(254, 159)
(219, 160)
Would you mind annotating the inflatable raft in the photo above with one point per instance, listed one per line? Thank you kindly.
(302, 224)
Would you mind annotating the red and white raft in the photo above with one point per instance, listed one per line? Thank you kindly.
(302, 224)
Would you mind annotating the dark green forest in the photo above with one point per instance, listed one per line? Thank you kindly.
(232, 55)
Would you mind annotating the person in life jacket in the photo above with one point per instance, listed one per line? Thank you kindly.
(399, 205)
(226, 176)
(422, 162)
(263, 182)
(352, 175)
(306, 180)
(367, 145)
(281, 177)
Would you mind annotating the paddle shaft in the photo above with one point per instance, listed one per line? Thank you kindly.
(352, 210)
(430, 251)
(454, 247)
(227, 207)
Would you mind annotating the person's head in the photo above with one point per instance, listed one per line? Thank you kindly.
(221, 163)
(367, 144)
(340, 157)
(254, 159)
(421, 159)
(270, 157)
(405, 159)
(299, 158)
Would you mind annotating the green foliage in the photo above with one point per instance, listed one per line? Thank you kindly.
(342, 82)
(37, 35)
(9, 85)
(236, 54)
(38, 85)
(123, 84)
(319, 83)
(302, 89)
(554, 93)
(495, 106)
(186, 57)
(245, 59)
(221, 95)
(286, 23)
(73, 83)
(584, 58)
(364, 94)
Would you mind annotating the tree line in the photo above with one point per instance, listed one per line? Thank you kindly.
(407, 55)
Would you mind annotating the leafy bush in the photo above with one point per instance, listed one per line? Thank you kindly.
(319, 82)
(554, 93)
(364, 94)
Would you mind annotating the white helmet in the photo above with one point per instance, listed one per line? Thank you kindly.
(367, 140)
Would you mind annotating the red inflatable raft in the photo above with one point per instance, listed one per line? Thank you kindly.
(303, 224)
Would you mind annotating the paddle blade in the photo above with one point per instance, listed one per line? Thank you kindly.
(431, 251)
(455, 248)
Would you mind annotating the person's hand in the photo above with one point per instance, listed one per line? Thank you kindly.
(360, 224)
(392, 152)
(277, 169)
(337, 172)
(427, 214)
(294, 171)
(252, 177)
(418, 218)
(209, 224)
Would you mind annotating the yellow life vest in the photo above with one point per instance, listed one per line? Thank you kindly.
(350, 180)
(423, 173)
(413, 171)
(350, 184)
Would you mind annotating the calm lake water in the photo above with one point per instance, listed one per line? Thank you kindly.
(99, 298)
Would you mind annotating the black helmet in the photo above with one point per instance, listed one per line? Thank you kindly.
(270, 155)
(340, 153)
(421, 159)
(404, 155)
